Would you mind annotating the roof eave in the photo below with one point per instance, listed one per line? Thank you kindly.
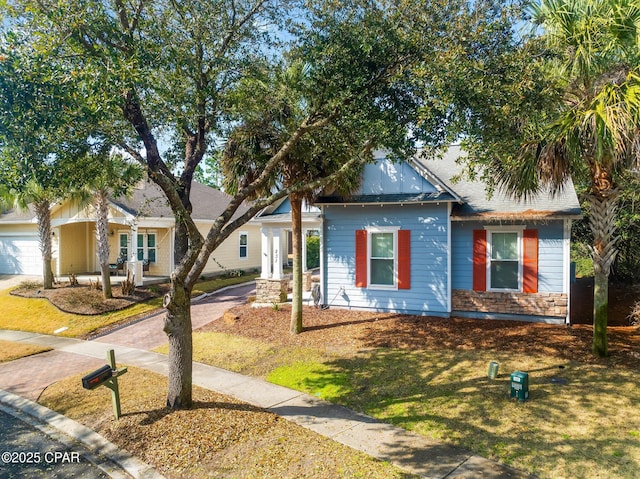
(387, 203)
(538, 216)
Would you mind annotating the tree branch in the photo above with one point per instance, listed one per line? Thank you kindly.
(233, 29)
(222, 228)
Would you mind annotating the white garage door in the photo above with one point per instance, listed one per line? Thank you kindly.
(20, 255)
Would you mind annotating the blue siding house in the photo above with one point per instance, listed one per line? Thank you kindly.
(411, 240)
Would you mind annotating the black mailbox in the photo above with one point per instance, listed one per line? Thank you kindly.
(97, 377)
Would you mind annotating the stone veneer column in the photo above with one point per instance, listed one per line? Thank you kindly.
(271, 290)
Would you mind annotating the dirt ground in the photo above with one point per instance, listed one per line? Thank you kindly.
(357, 329)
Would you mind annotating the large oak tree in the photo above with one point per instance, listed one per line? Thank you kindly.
(177, 68)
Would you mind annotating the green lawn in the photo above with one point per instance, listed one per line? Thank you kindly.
(581, 420)
(214, 284)
(40, 316)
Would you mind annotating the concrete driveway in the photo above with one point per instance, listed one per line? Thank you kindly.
(11, 280)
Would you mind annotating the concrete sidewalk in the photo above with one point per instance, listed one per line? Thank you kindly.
(408, 451)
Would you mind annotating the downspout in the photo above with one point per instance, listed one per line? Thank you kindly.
(567, 267)
(449, 254)
(323, 278)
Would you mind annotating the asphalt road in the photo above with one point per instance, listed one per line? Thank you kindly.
(26, 452)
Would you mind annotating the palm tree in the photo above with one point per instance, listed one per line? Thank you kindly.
(110, 174)
(318, 159)
(43, 131)
(251, 144)
(595, 52)
(35, 193)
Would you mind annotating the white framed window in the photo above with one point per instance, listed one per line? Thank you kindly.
(382, 257)
(123, 246)
(146, 247)
(504, 259)
(243, 243)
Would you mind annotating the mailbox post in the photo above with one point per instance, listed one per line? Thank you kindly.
(107, 376)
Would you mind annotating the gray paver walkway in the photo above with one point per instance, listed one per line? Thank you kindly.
(28, 377)
(148, 333)
(409, 451)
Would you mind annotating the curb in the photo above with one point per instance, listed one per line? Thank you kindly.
(221, 290)
(118, 463)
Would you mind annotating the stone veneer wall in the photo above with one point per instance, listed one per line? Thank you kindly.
(271, 290)
(537, 304)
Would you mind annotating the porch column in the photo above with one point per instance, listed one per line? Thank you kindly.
(277, 254)
(304, 250)
(266, 253)
(134, 265)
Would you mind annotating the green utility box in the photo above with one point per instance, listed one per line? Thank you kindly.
(520, 386)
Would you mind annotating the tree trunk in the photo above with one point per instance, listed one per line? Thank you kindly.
(177, 325)
(181, 237)
(181, 243)
(296, 238)
(600, 317)
(603, 208)
(43, 214)
(102, 237)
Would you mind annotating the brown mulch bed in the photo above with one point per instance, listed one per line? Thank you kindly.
(360, 330)
(82, 299)
(357, 330)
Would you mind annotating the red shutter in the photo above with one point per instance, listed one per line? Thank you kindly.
(479, 260)
(530, 261)
(404, 259)
(361, 258)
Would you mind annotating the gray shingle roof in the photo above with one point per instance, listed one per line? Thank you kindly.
(149, 200)
(17, 215)
(500, 206)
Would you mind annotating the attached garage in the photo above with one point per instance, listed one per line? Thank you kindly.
(20, 254)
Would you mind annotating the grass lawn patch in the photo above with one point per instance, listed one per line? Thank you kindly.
(430, 375)
(10, 350)
(40, 316)
(244, 355)
(322, 380)
(219, 437)
(48, 314)
(214, 284)
(580, 421)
